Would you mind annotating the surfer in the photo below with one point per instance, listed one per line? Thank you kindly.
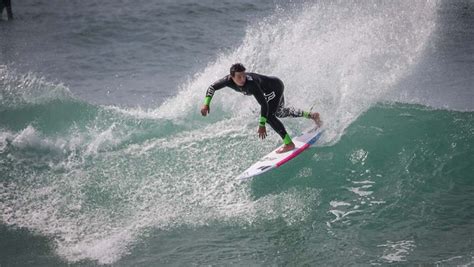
(268, 91)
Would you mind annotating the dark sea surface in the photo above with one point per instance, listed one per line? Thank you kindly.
(106, 160)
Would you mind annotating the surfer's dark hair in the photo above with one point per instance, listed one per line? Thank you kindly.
(237, 67)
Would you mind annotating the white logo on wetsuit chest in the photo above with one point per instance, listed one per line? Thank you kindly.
(269, 96)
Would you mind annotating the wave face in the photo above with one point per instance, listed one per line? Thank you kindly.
(98, 181)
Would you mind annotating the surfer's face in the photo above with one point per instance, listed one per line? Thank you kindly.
(239, 78)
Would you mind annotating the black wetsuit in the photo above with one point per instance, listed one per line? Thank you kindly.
(268, 91)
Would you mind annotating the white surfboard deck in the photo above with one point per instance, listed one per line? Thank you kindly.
(274, 160)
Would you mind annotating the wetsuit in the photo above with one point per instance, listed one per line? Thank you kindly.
(268, 91)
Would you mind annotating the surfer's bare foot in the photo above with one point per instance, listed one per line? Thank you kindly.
(315, 117)
(286, 148)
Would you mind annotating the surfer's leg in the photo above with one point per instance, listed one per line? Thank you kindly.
(280, 129)
(283, 112)
(276, 124)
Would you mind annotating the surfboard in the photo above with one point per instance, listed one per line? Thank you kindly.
(274, 160)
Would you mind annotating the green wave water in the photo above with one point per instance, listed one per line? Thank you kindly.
(97, 182)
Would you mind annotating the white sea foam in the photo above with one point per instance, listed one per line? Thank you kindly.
(397, 251)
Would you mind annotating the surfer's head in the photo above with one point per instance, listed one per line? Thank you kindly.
(237, 73)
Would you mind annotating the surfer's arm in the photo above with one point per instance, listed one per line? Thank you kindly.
(219, 84)
(262, 131)
(263, 107)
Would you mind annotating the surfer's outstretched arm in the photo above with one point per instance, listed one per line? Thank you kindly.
(219, 84)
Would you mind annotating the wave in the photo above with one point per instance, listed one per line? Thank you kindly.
(96, 196)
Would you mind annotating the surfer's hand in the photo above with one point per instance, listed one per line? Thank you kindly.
(205, 110)
(316, 118)
(262, 132)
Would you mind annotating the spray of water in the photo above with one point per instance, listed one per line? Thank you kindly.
(339, 57)
(17, 89)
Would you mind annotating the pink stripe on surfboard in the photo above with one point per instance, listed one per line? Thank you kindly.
(294, 154)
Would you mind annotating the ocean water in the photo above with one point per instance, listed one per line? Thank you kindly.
(105, 159)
